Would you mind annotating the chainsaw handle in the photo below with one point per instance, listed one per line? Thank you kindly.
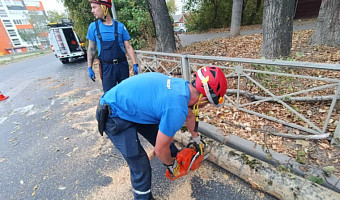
(193, 144)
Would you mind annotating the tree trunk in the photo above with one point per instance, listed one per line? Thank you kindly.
(236, 18)
(327, 31)
(277, 28)
(164, 29)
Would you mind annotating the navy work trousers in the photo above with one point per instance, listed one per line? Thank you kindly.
(123, 135)
(114, 74)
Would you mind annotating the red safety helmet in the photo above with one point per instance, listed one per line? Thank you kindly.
(107, 3)
(211, 82)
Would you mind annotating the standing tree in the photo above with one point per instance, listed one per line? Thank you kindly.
(172, 8)
(163, 27)
(54, 16)
(236, 18)
(28, 36)
(277, 28)
(327, 31)
(38, 22)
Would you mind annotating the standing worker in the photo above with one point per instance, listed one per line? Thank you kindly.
(156, 106)
(110, 36)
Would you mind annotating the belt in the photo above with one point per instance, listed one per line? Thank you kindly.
(115, 61)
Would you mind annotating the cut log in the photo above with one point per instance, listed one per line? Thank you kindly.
(269, 156)
(262, 176)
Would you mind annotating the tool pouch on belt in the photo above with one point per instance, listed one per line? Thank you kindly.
(103, 112)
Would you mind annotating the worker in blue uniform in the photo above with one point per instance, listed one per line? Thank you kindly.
(156, 106)
(110, 37)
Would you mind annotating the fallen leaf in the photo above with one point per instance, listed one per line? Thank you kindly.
(61, 188)
(34, 189)
(260, 194)
(322, 110)
(226, 176)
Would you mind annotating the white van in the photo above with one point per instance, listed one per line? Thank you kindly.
(64, 42)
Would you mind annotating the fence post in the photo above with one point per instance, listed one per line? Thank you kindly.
(185, 67)
(336, 137)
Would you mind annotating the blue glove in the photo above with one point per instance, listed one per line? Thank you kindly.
(91, 74)
(135, 69)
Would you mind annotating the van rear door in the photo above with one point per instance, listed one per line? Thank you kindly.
(71, 40)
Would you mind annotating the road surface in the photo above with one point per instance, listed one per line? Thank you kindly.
(50, 147)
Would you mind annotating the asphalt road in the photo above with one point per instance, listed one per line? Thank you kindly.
(50, 147)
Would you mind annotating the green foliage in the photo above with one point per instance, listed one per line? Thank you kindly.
(133, 13)
(316, 179)
(38, 22)
(206, 14)
(171, 4)
(136, 17)
(54, 16)
(252, 12)
(328, 170)
(80, 14)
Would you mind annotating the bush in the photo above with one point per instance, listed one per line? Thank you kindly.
(209, 15)
(134, 14)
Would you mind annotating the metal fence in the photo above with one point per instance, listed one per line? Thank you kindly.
(299, 95)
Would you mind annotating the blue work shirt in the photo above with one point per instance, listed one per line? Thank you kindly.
(107, 33)
(151, 98)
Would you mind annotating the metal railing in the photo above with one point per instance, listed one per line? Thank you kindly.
(254, 82)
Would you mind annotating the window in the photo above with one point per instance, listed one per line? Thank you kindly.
(3, 13)
(16, 42)
(12, 33)
(10, 3)
(7, 23)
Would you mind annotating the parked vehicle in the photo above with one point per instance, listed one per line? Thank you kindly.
(65, 42)
(180, 29)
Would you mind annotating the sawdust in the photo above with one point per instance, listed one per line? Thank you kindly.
(69, 93)
(87, 100)
(58, 86)
(182, 190)
(120, 187)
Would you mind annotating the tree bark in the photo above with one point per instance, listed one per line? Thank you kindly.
(281, 184)
(236, 18)
(327, 31)
(164, 29)
(277, 28)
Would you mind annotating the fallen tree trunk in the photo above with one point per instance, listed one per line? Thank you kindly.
(267, 155)
(260, 175)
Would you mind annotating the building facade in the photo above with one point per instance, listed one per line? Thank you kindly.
(17, 29)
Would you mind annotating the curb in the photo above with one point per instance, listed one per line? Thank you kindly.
(261, 175)
(7, 59)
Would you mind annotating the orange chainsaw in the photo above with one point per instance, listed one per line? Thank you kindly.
(188, 159)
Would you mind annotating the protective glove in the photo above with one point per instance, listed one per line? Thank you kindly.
(135, 69)
(91, 74)
(174, 169)
(200, 143)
